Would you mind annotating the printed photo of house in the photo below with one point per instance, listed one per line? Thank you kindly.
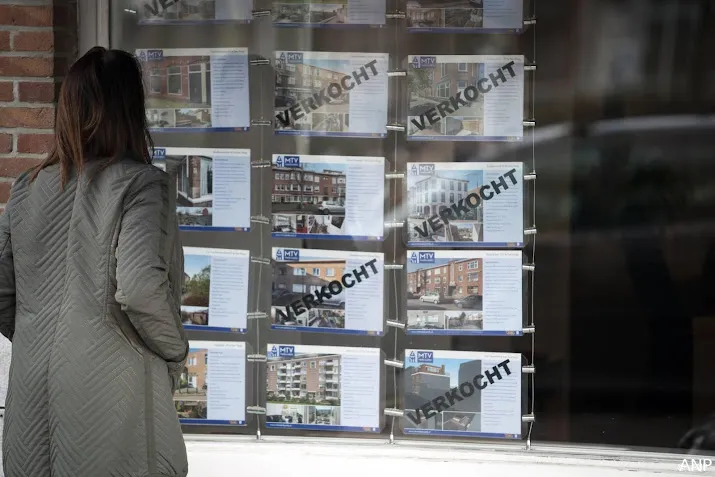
(431, 86)
(191, 396)
(429, 194)
(181, 84)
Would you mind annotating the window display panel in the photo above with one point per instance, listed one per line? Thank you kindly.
(213, 186)
(213, 384)
(193, 12)
(215, 294)
(462, 393)
(196, 89)
(329, 197)
(323, 388)
(465, 204)
(465, 98)
(329, 13)
(463, 292)
(465, 16)
(331, 94)
(330, 291)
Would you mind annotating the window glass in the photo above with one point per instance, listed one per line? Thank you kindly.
(616, 125)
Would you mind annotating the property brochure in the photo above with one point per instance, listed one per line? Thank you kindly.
(464, 292)
(465, 204)
(465, 98)
(330, 291)
(213, 186)
(331, 94)
(328, 197)
(329, 14)
(213, 385)
(323, 388)
(462, 394)
(465, 16)
(193, 12)
(215, 293)
(196, 89)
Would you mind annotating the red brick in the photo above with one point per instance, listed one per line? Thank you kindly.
(5, 143)
(25, 66)
(34, 92)
(14, 166)
(35, 143)
(6, 93)
(4, 41)
(27, 118)
(5, 188)
(33, 41)
(34, 16)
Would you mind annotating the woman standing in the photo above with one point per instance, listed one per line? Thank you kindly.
(91, 271)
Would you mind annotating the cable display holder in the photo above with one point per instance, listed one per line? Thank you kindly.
(397, 362)
(258, 165)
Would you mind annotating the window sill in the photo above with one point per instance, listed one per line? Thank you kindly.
(225, 456)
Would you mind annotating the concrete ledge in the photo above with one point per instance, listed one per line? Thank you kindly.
(220, 456)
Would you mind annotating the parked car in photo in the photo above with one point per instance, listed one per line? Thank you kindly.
(329, 207)
(431, 298)
(469, 301)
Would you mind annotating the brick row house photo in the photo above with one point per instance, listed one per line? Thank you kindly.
(455, 279)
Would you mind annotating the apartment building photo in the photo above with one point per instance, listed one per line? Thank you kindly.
(308, 379)
(291, 185)
(306, 276)
(430, 195)
(453, 279)
(297, 81)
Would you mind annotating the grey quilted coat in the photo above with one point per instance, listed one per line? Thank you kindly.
(90, 284)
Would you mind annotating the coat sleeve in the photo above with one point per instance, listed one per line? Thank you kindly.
(7, 279)
(144, 253)
(176, 282)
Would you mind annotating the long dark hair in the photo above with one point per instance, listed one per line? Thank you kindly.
(100, 113)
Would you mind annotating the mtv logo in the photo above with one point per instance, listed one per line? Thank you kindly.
(425, 169)
(426, 61)
(142, 55)
(425, 356)
(288, 161)
(412, 357)
(291, 255)
(159, 152)
(286, 351)
(414, 170)
(154, 55)
(425, 257)
(273, 352)
(414, 258)
(294, 58)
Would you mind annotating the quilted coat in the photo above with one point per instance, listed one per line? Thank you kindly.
(90, 286)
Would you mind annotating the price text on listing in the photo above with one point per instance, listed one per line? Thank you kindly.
(472, 201)
(325, 292)
(458, 393)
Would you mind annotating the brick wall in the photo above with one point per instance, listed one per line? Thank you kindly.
(38, 40)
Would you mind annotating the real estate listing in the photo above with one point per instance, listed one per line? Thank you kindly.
(464, 292)
(323, 388)
(331, 197)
